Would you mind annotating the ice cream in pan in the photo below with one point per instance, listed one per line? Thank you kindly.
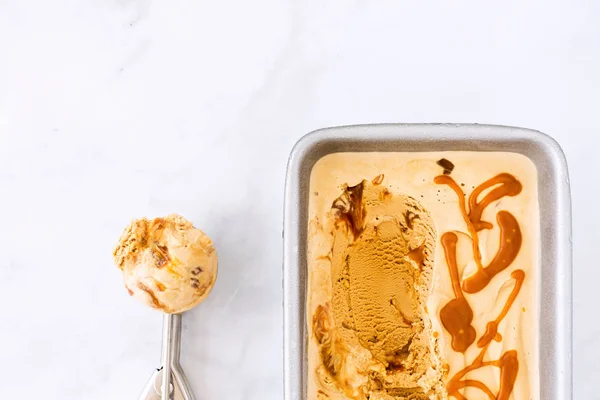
(422, 276)
(171, 266)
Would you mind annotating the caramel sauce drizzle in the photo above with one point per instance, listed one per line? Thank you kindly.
(155, 302)
(457, 315)
(351, 207)
(510, 233)
(418, 255)
(491, 329)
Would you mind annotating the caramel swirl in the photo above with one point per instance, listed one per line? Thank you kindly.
(509, 186)
(509, 368)
(491, 329)
(510, 244)
(510, 233)
(457, 316)
(351, 207)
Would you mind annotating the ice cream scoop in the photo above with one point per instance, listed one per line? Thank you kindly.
(167, 263)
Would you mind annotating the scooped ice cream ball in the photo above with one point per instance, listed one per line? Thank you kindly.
(167, 263)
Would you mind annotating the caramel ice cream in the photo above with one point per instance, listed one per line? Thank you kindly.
(422, 276)
(167, 263)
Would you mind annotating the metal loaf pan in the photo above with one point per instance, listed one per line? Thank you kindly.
(555, 323)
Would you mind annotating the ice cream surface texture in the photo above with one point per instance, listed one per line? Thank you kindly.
(422, 276)
(167, 263)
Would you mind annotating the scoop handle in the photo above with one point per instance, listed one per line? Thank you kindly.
(170, 375)
(171, 337)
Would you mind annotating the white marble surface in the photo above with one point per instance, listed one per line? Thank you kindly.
(122, 108)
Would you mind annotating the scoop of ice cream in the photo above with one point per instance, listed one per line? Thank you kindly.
(167, 263)
(381, 271)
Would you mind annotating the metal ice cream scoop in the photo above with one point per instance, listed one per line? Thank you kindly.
(169, 382)
(159, 257)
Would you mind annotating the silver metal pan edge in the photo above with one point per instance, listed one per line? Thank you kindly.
(555, 324)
